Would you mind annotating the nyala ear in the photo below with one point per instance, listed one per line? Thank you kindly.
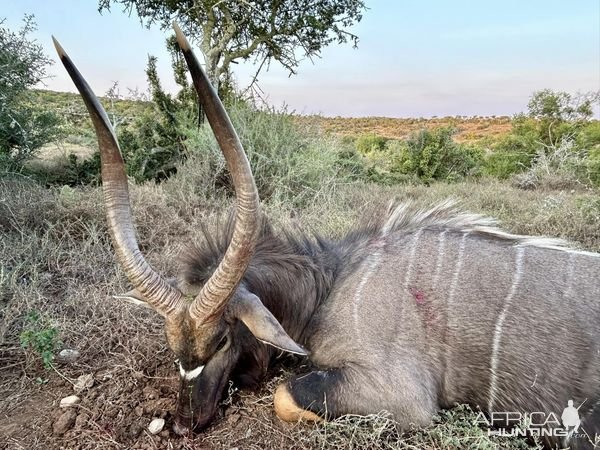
(248, 308)
(134, 296)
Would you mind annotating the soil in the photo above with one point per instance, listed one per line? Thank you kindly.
(114, 413)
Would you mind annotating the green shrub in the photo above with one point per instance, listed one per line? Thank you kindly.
(434, 155)
(503, 164)
(288, 162)
(39, 336)
(589, 136)
(151, 147)
(24, 124)
(351, 165)
(593, 165)
(370, 143)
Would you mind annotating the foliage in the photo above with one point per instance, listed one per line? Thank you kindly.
(285, 31)
(288, 162)
(553, 144)
(24, 125)
(370, 143)
(560, 113)
(434, 155)
(593, 165)
(40, 337)
(511, 154)
(150, 138)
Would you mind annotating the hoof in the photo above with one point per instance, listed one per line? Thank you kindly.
(288, 410)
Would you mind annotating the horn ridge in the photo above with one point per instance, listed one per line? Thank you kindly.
(216, 292)
(166, 299)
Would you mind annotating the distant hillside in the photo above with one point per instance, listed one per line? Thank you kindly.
(70, 106)
(468, 128)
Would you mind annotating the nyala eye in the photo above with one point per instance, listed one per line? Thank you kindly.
(222, 343)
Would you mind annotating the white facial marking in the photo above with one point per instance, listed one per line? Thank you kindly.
(190, 374)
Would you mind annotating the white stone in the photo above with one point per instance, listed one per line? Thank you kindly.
(156, 425)
(69, 401)
(69, 355)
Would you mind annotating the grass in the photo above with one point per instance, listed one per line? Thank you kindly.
(56, 259)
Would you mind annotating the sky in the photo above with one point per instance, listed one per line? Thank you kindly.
(414, 58)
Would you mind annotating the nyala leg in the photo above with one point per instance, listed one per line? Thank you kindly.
(312, 396)
(324, 394)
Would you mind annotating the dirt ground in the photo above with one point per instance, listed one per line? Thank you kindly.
(115, 411)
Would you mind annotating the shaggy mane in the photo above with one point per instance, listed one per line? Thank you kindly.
(447, 214)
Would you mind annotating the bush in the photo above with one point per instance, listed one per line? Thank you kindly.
(552, 145)
(370, 143)
(562, 166)
(512, 154)
(433, 155)
(151, 148)
(559, 114)
(288, 162)
(593, 166)
(24, 126)
(40, 337)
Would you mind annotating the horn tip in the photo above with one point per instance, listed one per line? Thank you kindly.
(181, 39)
(61, 51)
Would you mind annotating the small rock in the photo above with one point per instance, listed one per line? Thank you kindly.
(156, 425)
(135, 429)
(150, 393)
(83, 382)
(139, 411)
(69, 355)
(81, 420)
(69, 401)
(64, 422)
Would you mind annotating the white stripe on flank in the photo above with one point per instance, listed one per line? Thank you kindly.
(411, 259)
(457, 268)
(440, 258)
(517, 276)
(369, 271)
(372, 265)
(570, 273)
(190, 374)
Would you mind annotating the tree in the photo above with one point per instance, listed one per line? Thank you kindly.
(561, 106)
(560, 114)
(24, 126)
(226, 31)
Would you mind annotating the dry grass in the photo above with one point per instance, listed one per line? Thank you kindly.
(56, 259)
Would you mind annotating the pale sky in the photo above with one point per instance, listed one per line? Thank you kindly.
(414, 59)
